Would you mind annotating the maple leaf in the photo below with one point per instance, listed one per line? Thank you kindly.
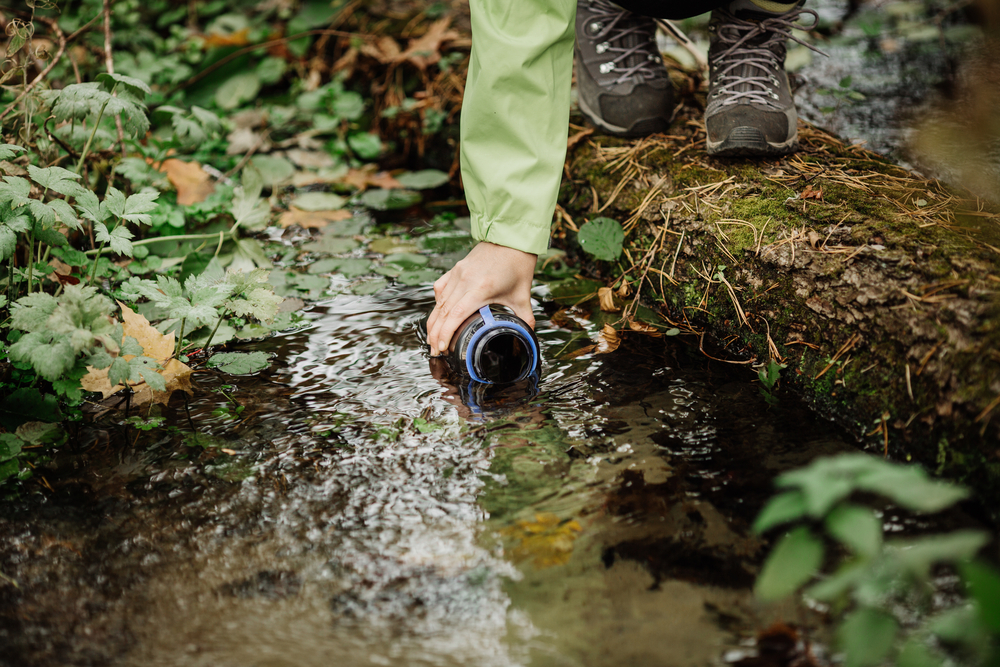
(156, 360)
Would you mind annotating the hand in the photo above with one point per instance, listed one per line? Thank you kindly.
(489, 274)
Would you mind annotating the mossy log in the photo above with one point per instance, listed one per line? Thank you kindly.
(878, 290)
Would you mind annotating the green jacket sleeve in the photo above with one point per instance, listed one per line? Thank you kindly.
(515, 118)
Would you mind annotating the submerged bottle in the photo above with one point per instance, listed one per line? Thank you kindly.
(495, 346)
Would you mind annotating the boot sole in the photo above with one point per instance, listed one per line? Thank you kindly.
(641, 128)
(750, 142)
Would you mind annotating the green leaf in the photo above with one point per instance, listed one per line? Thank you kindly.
(8, 242)
(148, 369)
(424, 179)
(389, 200)
(78, 100)
(916, 654)
(983, 585)
(820, 489)
(8, 151)
(369, 287)
(71, 256)
(918, 555)
(348, 106)
(90, 207)
(365, 145)
(32, 312)
(240, 363)
(273, 170)
(857, 528)
(781, 509)
(794, 560)
(866, 637)
(9, 469)
(238, 89)
(840, 582)
(131, 85)
(56, 179)
(911, 488)
(28, 404)
(331, 245)
(418, 277)
(14, 191)
(42, 433)
(270, 70)
(10, 446)
(318, 201)
(603, 238)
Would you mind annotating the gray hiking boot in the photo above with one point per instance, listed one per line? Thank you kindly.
(623, 87)
(750, 109)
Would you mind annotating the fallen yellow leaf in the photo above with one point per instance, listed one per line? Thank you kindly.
(546, 541)
(155, 345)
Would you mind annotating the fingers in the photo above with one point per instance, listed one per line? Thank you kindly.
(450, 317)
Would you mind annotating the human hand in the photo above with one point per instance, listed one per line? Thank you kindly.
(489, 274)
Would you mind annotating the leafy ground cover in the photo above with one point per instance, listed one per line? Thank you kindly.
(176, 179)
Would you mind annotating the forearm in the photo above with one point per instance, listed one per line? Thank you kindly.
(515, 118)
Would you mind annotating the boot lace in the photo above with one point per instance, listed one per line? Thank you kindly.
(752, 54)
(625, 39)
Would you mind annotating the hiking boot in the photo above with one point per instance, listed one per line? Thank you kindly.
(750, 110)
(623, 87)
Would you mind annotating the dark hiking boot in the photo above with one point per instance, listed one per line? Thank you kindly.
(623, 87)
(750, 110)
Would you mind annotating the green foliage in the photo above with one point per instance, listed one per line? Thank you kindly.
(239, 363)
(602, 238)
(878, 577)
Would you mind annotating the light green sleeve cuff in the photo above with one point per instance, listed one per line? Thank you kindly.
(515, 118)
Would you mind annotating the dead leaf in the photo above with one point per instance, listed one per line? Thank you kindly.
(237, 38)
(312, 219)
(385, 50)
(809, 193)
(244, 139)
(643, 328)
(608, 340)
(623, 289)
(192, 182)
(607, 298)
(814, 238)
(546, 541)
(310, 159)
(362, 178)
(154, 345)
(62, 272)
(425, 50)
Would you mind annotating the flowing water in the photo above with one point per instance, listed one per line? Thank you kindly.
(359, 513)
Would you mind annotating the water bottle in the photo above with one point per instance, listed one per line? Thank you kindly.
(495, 346)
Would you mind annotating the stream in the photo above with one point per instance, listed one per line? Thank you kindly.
(359, 513)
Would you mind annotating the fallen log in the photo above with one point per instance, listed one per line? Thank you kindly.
(878, 291)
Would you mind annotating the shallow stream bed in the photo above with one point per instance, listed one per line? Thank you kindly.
(358, 513)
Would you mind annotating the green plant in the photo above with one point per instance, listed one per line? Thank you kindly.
(769, 375)
(882, 588)
(602, 237)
